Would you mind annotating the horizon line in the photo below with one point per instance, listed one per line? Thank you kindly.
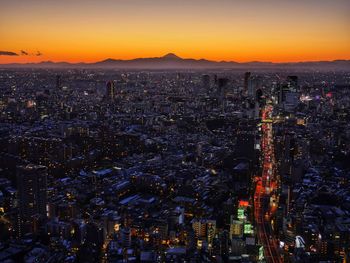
(174, 56)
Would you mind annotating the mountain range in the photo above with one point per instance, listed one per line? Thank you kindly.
(172, 61)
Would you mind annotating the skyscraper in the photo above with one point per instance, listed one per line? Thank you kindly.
(221, 90)
(254, 83)
(58, 82)
(206, 81)
(292, 82)
(246, 81)
(110, 90)
(32, 195)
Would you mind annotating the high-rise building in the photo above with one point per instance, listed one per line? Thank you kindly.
(58, 82)
(94, 234)
(32, 195)
(254, 83)
(206, 81)
(292, 82)
(236, 228)
(110, 90)
(201, 227)
(288, 95)
(222, 84)
(246, 80)
(222, 90)
(126, 237)
(282, 90)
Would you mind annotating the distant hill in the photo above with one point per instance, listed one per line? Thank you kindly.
(172, 61)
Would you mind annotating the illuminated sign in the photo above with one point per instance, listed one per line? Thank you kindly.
(243, 203)
(116, 227)
(282, 244)
(267, 121)
(240, 213)
(248, 229)
(300, 121)
(299, 242)
(261, 253)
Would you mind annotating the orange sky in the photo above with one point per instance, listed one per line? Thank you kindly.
(269, 30)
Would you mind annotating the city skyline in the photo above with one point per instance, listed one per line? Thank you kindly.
(276, 31)
(174, 131)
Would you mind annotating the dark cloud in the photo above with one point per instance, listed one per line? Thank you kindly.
(38, 53)
(8, 53)
(24, 53)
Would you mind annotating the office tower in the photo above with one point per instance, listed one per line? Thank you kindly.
(282, 91)
(246, 81)
(215, 79)
(58, 82)
(292, 82)
(206, 81)
(32, 196)
(222, 83)
(211, 228)
(110, 90)
(204, 227)
(236, 228)
(288, 97)
(126, 237)
(222, 89)
(199, 228)
(94, 234)
(254, 83)
(259, 95)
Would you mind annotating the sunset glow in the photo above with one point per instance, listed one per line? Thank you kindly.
(88, 31)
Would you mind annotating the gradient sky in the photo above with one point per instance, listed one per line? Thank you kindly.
(239, 30)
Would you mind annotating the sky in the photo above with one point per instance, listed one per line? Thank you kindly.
(231, 30)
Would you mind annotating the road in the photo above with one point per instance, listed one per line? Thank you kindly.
(265, 188)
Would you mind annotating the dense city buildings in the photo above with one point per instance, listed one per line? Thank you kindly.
(216, 165)
(163, 131)
(31, 195)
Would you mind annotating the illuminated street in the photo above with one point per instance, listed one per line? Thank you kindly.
(265, 189)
